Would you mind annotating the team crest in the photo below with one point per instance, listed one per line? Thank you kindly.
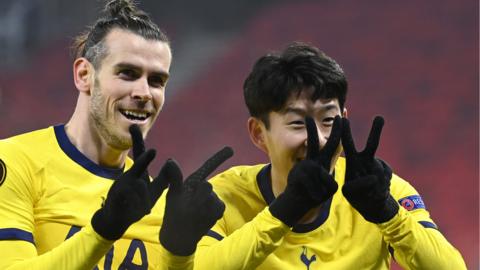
(3, 172)
(306, 259)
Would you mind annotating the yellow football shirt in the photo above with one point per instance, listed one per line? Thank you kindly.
(249, 237)
(49, 192)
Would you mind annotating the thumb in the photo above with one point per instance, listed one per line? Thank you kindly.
(160, 183)
(141, 163)
(172, 175)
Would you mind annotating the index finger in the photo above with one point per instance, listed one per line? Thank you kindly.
(211, 164)
(374, 137)
(313, 146)
(140, 165)
(138, 145)
(331, 145)
(347, 140)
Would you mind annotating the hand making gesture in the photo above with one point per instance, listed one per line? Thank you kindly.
(367, 179)
(309, 183)
(192, 207)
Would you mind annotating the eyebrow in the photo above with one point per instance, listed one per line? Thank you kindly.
(124, 65)
(295, 110)
(302, 112)
(329, 107)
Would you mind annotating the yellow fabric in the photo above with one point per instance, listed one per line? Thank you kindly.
(173, 262)
(419, 248)
(81, 252)
(48, 196)
(252, 238)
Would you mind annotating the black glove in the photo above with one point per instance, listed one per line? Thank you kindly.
(367, 179)
(131, 196)
(192, 207)
(309, 183)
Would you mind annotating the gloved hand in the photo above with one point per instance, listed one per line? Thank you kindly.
(309, 183)
(132, 195)
(367, 179)
(192, 207)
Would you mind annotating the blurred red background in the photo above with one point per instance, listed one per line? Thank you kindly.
(415, 63)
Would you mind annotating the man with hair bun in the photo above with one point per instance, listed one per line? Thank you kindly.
(71, 198)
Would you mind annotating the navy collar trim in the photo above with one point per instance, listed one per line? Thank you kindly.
(73, 153)
(265, 185)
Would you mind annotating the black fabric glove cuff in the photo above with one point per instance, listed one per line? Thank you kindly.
(289, 209)
(389, 211)
(177, 246)
(104, 229)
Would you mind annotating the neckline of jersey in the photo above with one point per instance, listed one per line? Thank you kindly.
(78, 157)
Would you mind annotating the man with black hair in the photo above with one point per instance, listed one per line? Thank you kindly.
(309, 208)
(70, 198)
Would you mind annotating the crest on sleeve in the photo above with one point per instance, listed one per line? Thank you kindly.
(3, 172)
(412, 202)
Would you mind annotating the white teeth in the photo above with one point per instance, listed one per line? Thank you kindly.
(135, 114)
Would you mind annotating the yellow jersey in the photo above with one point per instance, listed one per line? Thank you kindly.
(249, 237)
(48, 194)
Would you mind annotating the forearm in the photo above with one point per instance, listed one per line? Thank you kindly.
(417, 247)
(246, 248)
(81, 251)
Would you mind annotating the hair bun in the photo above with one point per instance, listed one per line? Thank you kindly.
(120, 8)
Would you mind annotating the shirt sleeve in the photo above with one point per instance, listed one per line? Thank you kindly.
(245, 248)
(19, 191)
(415, 239)
(81, 251)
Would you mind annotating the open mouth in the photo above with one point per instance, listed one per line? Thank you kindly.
(135, 115)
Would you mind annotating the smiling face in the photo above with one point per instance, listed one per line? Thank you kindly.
(129, 86)
(285, 139)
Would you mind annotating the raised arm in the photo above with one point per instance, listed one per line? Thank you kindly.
(416, 242)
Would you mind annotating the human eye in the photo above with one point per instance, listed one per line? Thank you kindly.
(297, 124)
(128, 74)
(157, 81)
(328, 121)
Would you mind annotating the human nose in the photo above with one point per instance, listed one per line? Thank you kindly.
(141, 90)
(322, 139)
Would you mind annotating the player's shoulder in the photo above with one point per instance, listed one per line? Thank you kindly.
(32, 145)
(400, 187)
(28, 137)
(409, 198)
(241, 172)
(237, 177)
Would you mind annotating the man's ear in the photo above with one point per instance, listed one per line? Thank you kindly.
(83, 74)
(345, 113)
(256, 130)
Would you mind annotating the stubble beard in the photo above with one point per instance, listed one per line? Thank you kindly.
(106, 129)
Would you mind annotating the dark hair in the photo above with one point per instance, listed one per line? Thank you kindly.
(121, 14)
(276, 76)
